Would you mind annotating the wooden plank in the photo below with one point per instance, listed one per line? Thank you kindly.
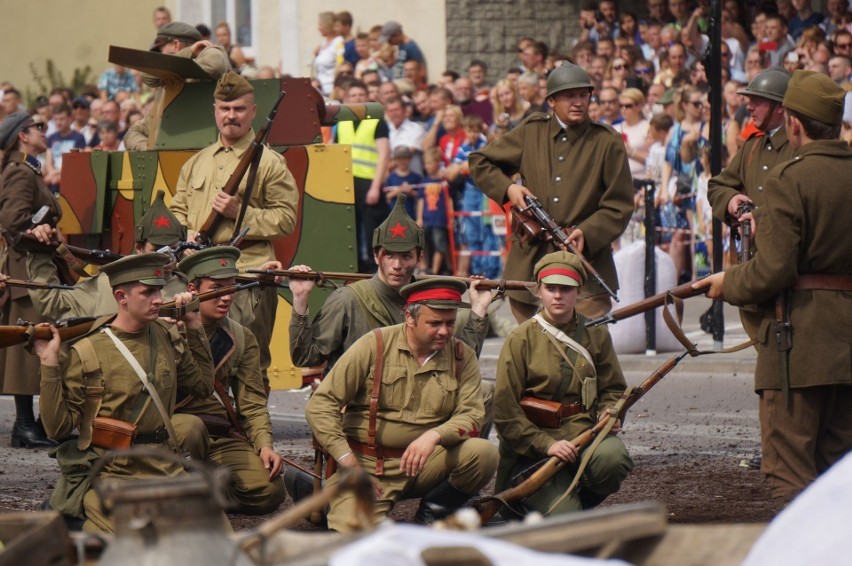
(34, 538)
(705, 545)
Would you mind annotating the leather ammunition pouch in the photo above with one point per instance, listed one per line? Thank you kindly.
(112, 434)
(548, 414)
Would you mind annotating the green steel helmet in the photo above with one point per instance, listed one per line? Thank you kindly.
(567, 76)
(769, 83)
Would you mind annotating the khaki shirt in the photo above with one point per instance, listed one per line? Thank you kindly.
(238, 371)
(342, 320)
(530, 364)
(412, 400)
(186, 364)
(142, 135)
(91, 296)
(803, 230)
(271, 213)
(580, 175)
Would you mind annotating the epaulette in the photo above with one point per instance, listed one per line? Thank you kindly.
(538, 117)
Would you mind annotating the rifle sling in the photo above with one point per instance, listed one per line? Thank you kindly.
(252, 176)
(680, 336)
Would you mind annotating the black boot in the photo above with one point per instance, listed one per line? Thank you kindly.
(299, 484)
(441, 502)
(27, 432)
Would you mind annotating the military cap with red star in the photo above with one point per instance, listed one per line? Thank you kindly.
(399, 232)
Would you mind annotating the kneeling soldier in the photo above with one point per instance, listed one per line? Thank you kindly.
(553, 360)
(101, 385)
(237, 432)
(420, 437)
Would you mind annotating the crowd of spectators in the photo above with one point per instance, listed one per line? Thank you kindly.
(650, 82)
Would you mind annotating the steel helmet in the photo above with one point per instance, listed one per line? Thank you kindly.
(769, 83)
(567, 76)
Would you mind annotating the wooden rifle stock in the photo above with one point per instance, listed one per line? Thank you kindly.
(548, 226)
(489, 284)
(214, 220)
(29, 284)
(684, 291)
(70, 329)
(488, 507)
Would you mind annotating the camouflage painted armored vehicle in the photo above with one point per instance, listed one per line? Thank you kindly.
(105, 193)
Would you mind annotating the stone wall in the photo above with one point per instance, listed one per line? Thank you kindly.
(489, 29)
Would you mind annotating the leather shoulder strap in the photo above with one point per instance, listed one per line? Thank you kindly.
(458, 353)
(378, 369)
(93, 385)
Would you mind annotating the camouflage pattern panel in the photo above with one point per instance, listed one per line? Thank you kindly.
(324, 238)
(298, 119)
(187, 121)
(83, 193)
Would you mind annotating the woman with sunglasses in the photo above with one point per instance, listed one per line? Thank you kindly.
(616, 73)
(22, 195)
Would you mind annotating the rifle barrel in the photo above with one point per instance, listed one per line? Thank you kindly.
(29, 284)
(215, 294)
(684, 291)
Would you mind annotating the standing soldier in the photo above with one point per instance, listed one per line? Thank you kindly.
(744, 179)
(271, 211)
(805, 265)
(22, 194)
(578, 170)
(420, 438)
(103, 377)
(555, 358)
(238, 432)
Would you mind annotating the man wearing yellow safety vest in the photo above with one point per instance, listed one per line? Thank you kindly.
(370, 159)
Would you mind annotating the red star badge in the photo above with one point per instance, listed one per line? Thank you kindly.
(398, 231)
(158, 273)
(223, 262)
(163, 222)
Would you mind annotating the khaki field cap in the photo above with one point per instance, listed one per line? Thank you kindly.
(231, 86)
(567, 76)
(769, 83)
(11, 126)
(175, 30)
(159, 226)
(816, 96)
(142, 268)
(560, 268)
(436, 293)
(215, 262)
(399, 232)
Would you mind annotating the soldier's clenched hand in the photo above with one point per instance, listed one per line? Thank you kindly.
(226, 205)
(563, 450)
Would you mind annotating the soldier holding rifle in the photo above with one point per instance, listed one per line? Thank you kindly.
(117, 385)
(22, 195)
(555, 379)
(578, 169)
(804, 264)
(271, 209)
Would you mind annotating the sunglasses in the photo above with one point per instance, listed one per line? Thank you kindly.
(842, 45)
(697, 103)
(39, 127)
(618, 67)
(642, 70)
(613, 101)
(627, 106)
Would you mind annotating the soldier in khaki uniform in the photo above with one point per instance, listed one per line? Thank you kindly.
(239, 435)
(97, 379)
(181, 40)
(578, 169)
(271, 212)
(93, 295)
(22, 194)
(556, 358)
(805, 263)
(422, 438)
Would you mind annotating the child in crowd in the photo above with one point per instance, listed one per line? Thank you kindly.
(402, 180)
(477, 237)
(434, 208)
(658, 131)
(108, 134)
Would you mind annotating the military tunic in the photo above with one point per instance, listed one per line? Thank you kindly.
(185, 363)
(413, 399)
(271, 214)
(802, 231)
(22, 194)
(237, 362)
(343, 319)
(530, 364)
(747, 173)
(580, 175)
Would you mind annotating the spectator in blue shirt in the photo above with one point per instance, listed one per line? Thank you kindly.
(115, 80)
(60, 142)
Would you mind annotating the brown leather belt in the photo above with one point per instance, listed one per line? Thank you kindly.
(375, 452)
(823, 282)
(246, 244)
(159, 436)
